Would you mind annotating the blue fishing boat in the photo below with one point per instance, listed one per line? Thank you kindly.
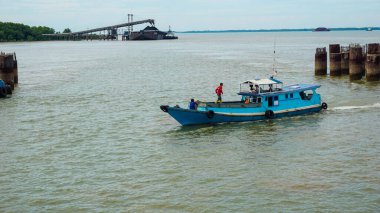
(260, 99)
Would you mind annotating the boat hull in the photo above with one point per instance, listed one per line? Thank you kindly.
(193, 117)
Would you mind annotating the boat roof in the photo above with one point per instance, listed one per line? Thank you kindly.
(265, 81)
(300, 87)
(285, 89)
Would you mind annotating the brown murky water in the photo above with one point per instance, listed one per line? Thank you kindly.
(84, 132)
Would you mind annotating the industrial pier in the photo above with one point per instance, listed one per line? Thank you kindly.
(125, 30)
(354, 60)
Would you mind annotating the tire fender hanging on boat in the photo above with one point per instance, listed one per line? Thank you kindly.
(8, 89)
(269, 114)
(210, 114)
(324, 105)
(3, 92)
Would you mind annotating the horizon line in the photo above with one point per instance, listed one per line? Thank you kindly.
(279, 30)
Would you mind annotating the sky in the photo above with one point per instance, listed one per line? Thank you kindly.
(185, 15)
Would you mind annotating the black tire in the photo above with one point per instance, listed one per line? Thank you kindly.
(324, 105)
(269, 114)
(8, 89)
(210, 114)
(164, 108)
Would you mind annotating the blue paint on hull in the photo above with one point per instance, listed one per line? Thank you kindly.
(192, 117)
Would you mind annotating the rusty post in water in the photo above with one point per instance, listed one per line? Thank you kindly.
(335, 60)
(373, 48)
(356, 62)
(8, 68)
(15, 69)
(364, 58)
(344, 63)
(372, 67)
(6, 73)
(320, 61)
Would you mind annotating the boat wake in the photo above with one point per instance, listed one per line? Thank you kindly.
(375, 105)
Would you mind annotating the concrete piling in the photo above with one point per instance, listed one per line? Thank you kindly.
(372, 64)
(335, 60)
(8, 69)
(15, 69)
(356, 62)
(321, 61)
(373, 68)
(364, 59)
(373, 48)
(344, 63)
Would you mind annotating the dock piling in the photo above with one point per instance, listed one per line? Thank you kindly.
(335, 60)
(356, 62)
(320, 61)
(8, 69)
(15, 69)
(372, 64)
(344, 63)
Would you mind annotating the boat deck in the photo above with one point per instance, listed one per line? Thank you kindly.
(229, 104)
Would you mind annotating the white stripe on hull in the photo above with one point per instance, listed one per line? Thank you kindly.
(263, 113)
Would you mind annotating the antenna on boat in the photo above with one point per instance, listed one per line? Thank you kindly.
(274, 59)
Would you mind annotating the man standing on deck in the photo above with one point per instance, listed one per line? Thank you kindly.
(193, 105)
(219, 92)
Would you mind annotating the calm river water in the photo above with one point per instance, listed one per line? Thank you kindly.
(83, 131)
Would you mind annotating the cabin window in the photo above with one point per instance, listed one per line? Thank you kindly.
(286, 96)
(291, 95)
(255, 100)
(306, 95)
(272, 101)
(275, 103)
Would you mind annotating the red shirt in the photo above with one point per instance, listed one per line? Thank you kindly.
(219, 90)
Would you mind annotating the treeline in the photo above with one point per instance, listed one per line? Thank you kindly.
(20, 32)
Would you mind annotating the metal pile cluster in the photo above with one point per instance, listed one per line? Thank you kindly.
(355, 60)
(8, 73)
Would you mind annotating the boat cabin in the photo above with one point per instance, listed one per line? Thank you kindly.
(271, 91)
(260, 86)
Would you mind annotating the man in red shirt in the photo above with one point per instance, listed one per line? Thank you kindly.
(219, 92)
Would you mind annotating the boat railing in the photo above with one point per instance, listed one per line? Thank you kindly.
(230, 104)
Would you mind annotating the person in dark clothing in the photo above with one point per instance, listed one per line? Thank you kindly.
(193, 105)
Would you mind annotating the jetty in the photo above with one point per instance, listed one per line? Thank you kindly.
(125, 30)
(107, 32)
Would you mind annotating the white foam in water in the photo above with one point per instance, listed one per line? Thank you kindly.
(375, 105)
